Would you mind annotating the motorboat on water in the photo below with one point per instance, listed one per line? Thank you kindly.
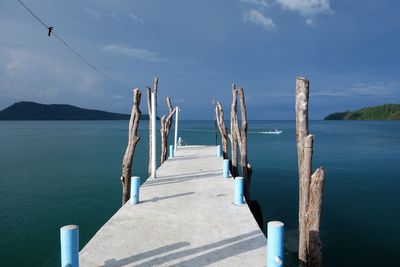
(276, 131)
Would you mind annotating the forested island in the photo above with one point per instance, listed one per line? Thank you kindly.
(383, 112)
(35, 111)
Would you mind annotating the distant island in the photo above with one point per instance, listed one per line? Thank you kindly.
(35, 111)
(383, 112)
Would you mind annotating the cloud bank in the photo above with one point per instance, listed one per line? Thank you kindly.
(256, 17)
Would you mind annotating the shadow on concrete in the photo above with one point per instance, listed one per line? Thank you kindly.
(226, 252)
(156, 199)
(253, 240)
(178, 179)
(183, 175)
(144, 255)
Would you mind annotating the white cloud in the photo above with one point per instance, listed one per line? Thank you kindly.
(382, 89)
(138, 53)
(312, 22)
(307, 7)
(256, 17)
(97, 15)
(256, 2)
(136, 19)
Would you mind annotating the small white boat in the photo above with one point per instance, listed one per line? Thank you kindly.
(276, 131)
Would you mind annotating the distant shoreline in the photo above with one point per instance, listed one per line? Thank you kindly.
(31, 111)
(382, 113)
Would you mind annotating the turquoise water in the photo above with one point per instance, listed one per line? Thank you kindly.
(67, 172)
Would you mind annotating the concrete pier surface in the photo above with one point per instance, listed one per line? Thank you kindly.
(185, 217)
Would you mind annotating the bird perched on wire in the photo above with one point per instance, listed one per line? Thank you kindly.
(50, 30)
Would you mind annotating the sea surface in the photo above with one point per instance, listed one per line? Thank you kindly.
(54, 173)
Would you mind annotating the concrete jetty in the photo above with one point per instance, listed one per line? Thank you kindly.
(185, 217)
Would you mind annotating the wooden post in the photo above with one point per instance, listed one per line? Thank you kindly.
(219, 114)
(176, 128)
(149, 109)
(302, 93)
(310, 186)
(241, 136)
(232, 135)
(166, 122)
(153, 135)
(313, 218)
(148, 90)
(130, 149)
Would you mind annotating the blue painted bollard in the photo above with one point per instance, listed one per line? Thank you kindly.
(275, 242)
(239, 190)
(225, 169)
(171, 151)
(219, 152)
(135, 186)
(69, 237)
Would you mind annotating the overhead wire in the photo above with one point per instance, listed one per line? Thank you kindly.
(66, 44)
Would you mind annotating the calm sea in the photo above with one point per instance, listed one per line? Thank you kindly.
(54, 173)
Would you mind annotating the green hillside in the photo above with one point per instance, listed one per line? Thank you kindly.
(383, 112)
(36, 111)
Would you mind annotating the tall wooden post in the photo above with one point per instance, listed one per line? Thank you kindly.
(232, 135)
(176, 128)
(148, 90)
(153, 136)
(149, 108)
(166, 122)
(310, 186)
(241, 137)
(130, 149)
(219, 114)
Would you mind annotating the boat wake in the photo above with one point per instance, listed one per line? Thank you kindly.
(275, 132)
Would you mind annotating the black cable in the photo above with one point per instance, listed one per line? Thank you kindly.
(69, 46)
(33, 14)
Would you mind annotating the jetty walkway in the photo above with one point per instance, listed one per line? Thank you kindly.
(185, 217)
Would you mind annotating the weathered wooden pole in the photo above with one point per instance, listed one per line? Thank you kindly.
(148, 90)
(133, 138)
(232, 135)
(313, 218)
(149, 108)
(310, 186)
(176, 128)
(241, 136)
(153, 136)
(166, 122)
(219, 115)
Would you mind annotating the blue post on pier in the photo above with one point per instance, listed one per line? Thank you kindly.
(275, 241)
(135, 187)
(219, 151)
(69, 238)
(239, 190)
(171, 151)
(225, 169)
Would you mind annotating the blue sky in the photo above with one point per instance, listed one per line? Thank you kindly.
(349, 50)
